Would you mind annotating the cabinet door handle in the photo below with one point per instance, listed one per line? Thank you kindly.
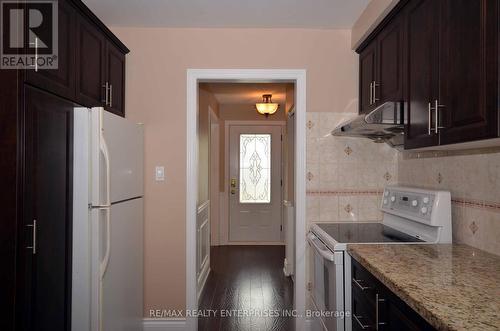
(377, 318)
(33, 229)
(361, 325)
(106, 89)
(437, 106)
(36, 54)
(358, 284)
(375, 85)
(110, 95)
(429, 124)
(371, 93)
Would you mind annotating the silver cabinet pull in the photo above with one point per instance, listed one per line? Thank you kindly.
(110, 95)
(377, 318)
(33, 246)
(375, 85)
(358, 284)
(36, 53)
(429, 124)
(371, 93)
(436, 108)
(106, 89)
(361, 325)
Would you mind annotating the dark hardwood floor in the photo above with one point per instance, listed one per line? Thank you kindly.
(250, 281)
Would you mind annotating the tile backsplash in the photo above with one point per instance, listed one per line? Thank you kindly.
(474, 182)
(346, 176)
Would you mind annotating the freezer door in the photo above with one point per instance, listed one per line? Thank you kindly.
(118, 150)
(81, 278)
(122, 267)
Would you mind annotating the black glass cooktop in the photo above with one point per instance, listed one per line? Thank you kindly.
(364, 233)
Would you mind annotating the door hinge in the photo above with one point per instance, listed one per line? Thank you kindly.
(281, 137)
(281, 182)
(281, 227)
(309, 286)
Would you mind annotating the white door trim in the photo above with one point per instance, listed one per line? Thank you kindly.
(224, 225)
(214, 178)
(298, 76)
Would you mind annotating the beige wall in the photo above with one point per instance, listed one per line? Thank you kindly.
(244, 112)
(373, 14)
(156, 96)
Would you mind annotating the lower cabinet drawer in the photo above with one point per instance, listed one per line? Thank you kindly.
(375, 307)
(363, 317)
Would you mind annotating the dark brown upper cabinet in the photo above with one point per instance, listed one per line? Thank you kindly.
(115, 73)
(90, 58)
(91, 68)
(381, 67)
(389, 80)
(101, 70)
(60, 81)
(367, 65)
(422, 73)
(469, 70)
(441, 58)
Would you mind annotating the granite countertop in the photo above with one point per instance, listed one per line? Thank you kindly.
(453, 287)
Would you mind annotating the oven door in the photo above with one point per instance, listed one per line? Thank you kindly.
(327, 284)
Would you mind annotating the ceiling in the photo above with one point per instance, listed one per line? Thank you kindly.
(328, 14)
(246, 93)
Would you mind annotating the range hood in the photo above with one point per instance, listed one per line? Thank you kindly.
(383, 124)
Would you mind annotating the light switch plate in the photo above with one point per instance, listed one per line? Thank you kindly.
(160, 173)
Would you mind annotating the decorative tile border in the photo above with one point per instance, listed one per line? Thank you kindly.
(344, 192)
(408, 155)
(467, 203)
(477, 204)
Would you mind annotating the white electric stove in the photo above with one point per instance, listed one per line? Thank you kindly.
(410, 216)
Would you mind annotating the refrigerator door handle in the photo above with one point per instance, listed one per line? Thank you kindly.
(104, 149)
(105, 153)
(105, 261)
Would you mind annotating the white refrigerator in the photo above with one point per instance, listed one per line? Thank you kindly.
(107, 282)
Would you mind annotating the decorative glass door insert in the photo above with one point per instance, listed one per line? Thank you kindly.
(255, 168)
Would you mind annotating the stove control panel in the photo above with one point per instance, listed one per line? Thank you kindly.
(403, 204)
(412, 203)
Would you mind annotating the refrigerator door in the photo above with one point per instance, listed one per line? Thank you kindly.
(81, 280)
(118, 158)
(122, 275)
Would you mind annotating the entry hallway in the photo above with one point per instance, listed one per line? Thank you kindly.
(247, 278)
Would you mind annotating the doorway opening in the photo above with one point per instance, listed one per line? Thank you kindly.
(246, 216)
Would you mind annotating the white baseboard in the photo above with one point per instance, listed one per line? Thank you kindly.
(164, 324)
(287, 270)
(255, 243)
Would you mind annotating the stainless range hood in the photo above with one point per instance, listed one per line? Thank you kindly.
(383, 124)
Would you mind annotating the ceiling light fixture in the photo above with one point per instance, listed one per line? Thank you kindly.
(267, 107)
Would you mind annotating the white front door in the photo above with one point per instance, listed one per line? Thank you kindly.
(255, 183)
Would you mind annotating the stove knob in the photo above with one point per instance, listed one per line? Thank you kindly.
(386, 193)
(393, 198)
(414, 203)
(424, 210)
(385, 201)
(426, 200)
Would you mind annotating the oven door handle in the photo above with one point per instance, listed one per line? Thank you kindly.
(320, 247)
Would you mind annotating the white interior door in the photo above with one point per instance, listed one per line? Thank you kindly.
(255, 183)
